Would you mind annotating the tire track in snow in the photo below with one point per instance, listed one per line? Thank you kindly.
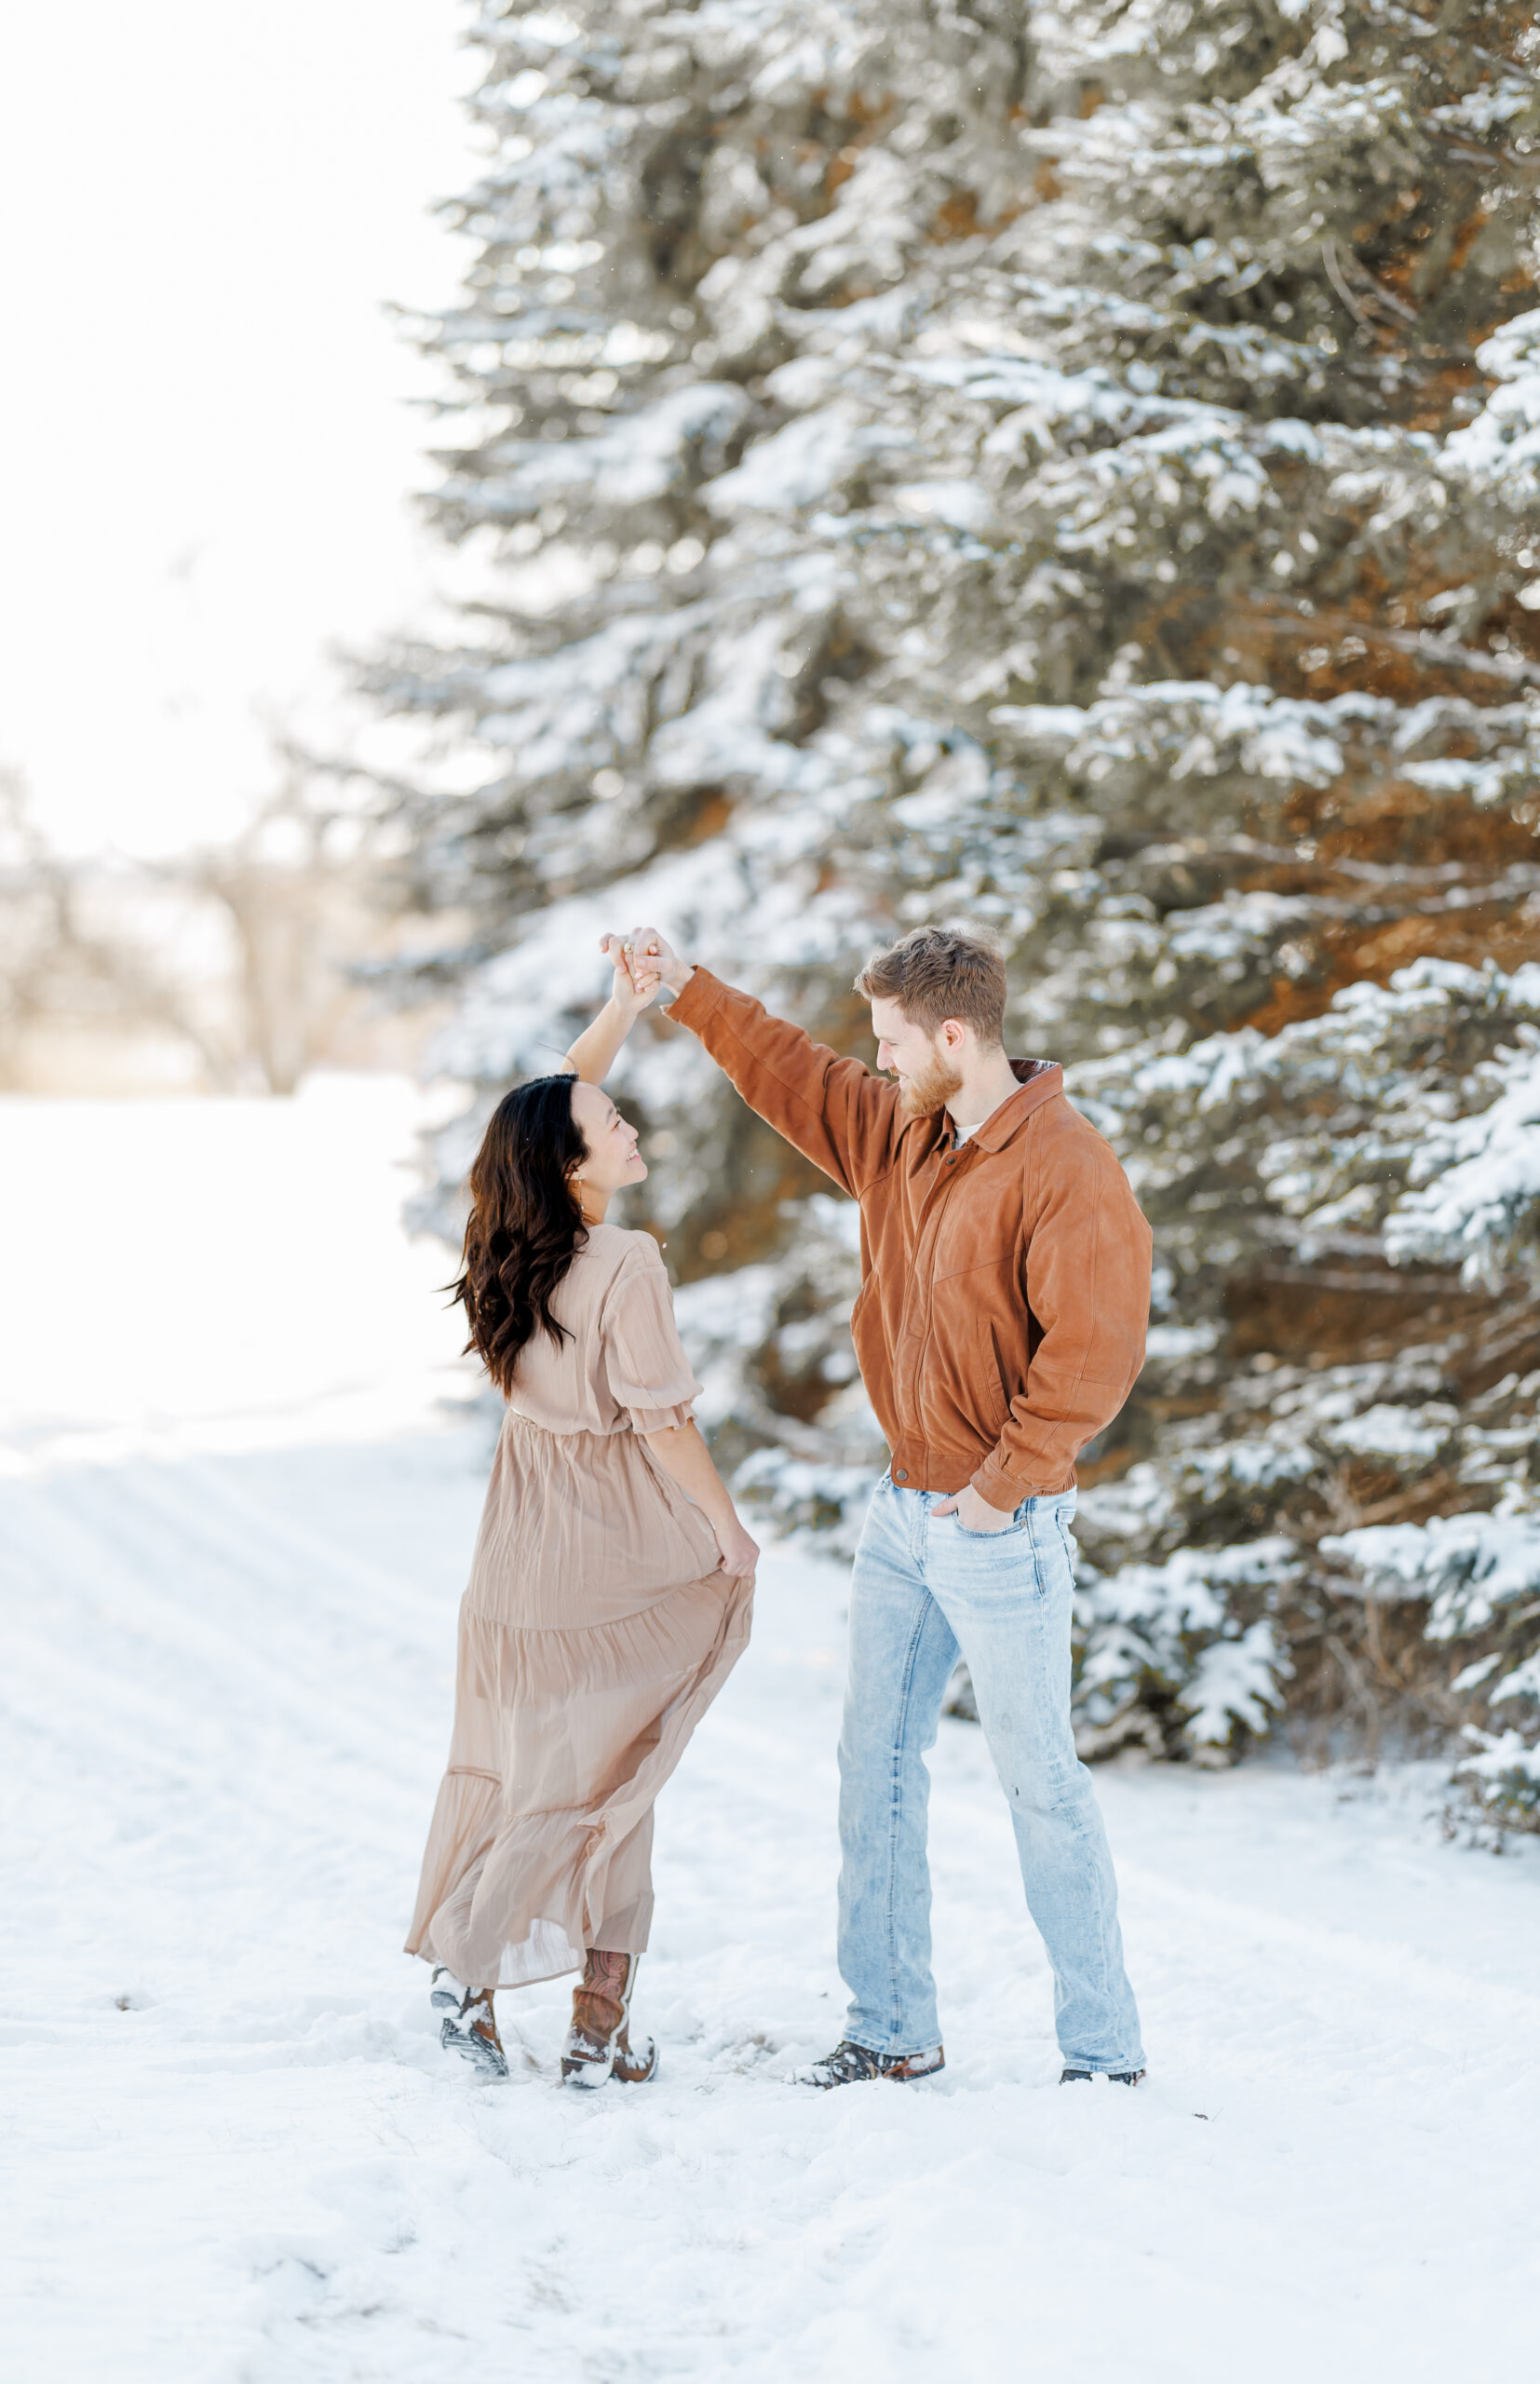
(194, 1613)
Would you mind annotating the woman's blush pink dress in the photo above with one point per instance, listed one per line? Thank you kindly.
(596, 1629)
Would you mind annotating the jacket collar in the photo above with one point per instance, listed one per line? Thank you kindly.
(1037, 1080)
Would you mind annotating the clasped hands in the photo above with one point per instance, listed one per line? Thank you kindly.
(641, 960)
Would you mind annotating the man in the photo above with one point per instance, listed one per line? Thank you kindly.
(1000, 1324)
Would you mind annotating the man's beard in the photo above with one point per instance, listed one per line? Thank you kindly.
(930, 1091)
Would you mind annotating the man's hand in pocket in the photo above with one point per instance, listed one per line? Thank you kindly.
(973, 1512)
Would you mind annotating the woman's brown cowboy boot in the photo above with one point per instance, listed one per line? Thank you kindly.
(598, 2043)
(473, 2032)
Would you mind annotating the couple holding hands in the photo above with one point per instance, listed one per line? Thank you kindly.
(999, 1326)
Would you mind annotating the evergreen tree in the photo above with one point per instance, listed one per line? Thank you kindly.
(1081, 471)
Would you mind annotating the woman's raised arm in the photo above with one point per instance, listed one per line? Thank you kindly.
(592, 1056)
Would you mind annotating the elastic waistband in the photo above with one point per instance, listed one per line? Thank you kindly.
(546, 1432)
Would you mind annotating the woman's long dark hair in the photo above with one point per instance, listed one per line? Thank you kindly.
(525, 1225)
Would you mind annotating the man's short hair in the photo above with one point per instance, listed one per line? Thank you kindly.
(936, 974)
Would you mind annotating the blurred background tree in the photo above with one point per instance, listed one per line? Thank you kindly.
(1080, 470)
(232, 968)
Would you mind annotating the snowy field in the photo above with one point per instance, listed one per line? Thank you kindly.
(233, 1524)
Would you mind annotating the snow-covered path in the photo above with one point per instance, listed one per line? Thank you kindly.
(234, 2151)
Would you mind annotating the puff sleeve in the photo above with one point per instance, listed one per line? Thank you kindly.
(643, 1358)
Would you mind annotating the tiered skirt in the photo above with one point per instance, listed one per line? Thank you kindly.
(583, 1668)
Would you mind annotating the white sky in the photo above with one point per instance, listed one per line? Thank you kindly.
(204, 443)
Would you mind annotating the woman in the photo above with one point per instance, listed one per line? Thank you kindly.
(611, 1585)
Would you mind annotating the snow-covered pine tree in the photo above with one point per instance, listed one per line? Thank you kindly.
(1078, 469)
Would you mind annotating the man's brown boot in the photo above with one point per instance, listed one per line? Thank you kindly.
(598, 2043)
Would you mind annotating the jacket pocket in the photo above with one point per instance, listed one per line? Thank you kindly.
(992, 1380)
(866, 1324)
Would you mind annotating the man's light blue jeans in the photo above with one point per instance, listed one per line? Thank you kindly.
(925, 1590)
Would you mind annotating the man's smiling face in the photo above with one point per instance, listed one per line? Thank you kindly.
(926, 1066)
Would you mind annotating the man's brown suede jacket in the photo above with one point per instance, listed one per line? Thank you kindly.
(1004, 1285)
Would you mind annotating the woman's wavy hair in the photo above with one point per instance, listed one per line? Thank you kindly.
(525, 1225)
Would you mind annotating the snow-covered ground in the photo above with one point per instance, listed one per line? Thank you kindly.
(233, 1530)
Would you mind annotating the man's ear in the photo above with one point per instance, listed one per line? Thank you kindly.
(953, 1034)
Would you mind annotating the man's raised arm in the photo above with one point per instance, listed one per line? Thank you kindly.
(840, 1116)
